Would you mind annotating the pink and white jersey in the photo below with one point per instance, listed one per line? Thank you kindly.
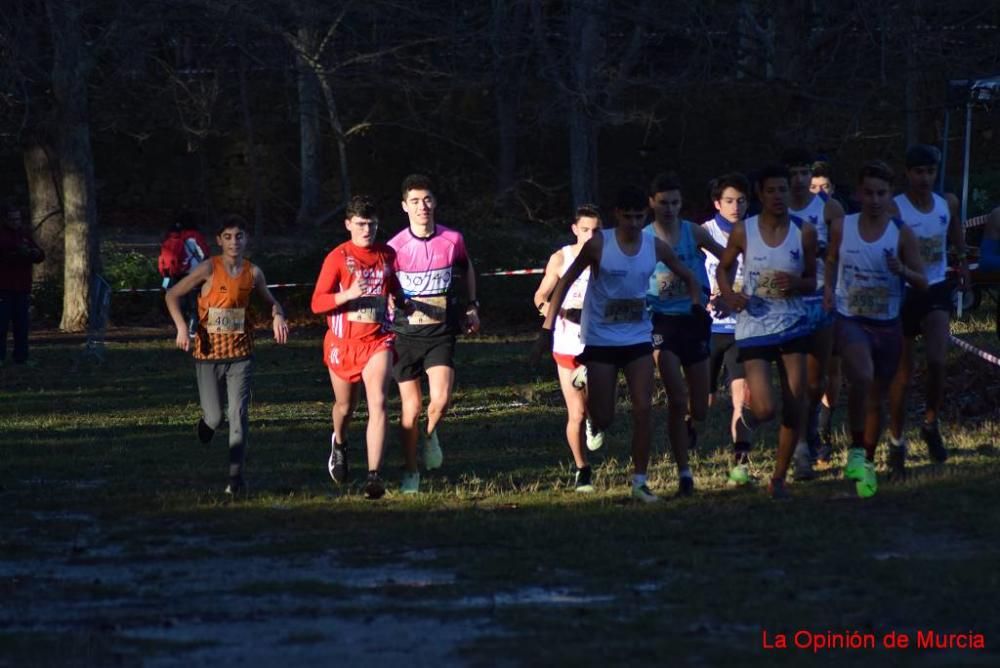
(431, 271)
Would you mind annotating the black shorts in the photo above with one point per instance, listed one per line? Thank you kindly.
(682, 335)
(618, 356)
(724, 354)
(918, 303)
(774, 352)
(884, 341)
(416, 354)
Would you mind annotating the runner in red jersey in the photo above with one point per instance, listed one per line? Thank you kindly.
(353, 292)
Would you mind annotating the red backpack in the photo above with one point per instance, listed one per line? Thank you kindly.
(171, 261)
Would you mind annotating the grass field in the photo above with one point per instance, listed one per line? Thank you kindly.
(118, 547)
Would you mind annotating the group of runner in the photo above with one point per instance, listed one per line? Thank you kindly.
(695, 302)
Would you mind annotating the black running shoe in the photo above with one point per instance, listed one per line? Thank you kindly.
(935, 446)
(582, 481)
(205, 433)
(685, 487)
(692, 433)
(374, 487)
(337, 464)
(897, 463)
(776, 489)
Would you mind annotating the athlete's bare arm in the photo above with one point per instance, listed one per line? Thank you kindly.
(199, 276)
(706, 242)
(666, 255)
(736, 301)
(549, 280)
(589, 256)
(834, 235)
(911, 265)
(280, 326)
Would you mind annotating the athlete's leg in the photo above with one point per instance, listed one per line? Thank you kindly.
(758, 382)
(899, 389)
(936, 332)
(817, 363)
(639, 377)
(859, 371)
(345, 400)
(576, 414)
(677, 404)
(738, 430)
(376, 376)
(239, 378)
(411, 401)
(440, 380)
(793, 402)
(696, 376)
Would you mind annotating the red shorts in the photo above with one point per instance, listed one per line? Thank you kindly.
(565, 361)
(348, 358)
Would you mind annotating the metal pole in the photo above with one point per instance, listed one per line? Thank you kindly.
(944, 151)
(965, 167)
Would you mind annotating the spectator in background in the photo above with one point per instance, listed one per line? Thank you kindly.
(18, 251)
(183, 248)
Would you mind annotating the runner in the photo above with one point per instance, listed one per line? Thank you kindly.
(870, 256)
(935, 221)
(819, 210)
(433, 269)
(566, 343)
(772, 324)
(729, 195)
(223, 344)
(989, 249)
(616, 327)
(352, 291)
(680, 335)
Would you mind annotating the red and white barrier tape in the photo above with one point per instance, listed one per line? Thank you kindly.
(513, 272)
(982, 354)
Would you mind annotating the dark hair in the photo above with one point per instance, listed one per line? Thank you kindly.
(587, 211)
(795, 156)
(772, 171)
(920, 155)
(417, 182)
(361, 206)
(876, 169)
(631, 198)
(822, 168)
(734, 180)
(187, 220)
(229, 220)
(663, 182)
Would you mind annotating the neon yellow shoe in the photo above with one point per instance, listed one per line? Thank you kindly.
(739, 475)
(868, 485)
(855, 468)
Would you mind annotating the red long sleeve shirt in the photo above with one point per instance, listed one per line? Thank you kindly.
(18, 251)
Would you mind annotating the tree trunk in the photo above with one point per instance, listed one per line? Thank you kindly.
(586, 39)
(69, 87)
(338, 133)
(42, 170)
(310, 183)
(509, 23)
(258, 209)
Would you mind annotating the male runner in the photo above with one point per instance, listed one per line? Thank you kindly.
(819, 210)
(566, 343)
(432, 266)
(870, 255)
(680, 336)
(223, 343)
(616, 327)
(772, 324)
(729, 195)
(935, 221)
(352, 291)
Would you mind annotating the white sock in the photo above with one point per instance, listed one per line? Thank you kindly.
(897, 442)
(638, 479)
(685, 473)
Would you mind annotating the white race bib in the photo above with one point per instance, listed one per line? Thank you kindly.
(226, 320)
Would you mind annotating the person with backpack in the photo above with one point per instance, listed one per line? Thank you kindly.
(183, 248)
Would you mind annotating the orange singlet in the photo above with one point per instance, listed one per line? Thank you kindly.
(224, 331)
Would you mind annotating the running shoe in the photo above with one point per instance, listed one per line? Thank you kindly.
(739, 475)
(855, 467)
(433, 456)
(595, 438)
(410, 483)
(643, 494)
(776, 489)
(582, 481)
(374, 487)
(897, 463)
(579, 377)
(868, 484)
(337, 464)
(205, 433)
(685, 486)
(935, 446)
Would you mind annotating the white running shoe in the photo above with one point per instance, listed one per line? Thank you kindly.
(579, 377)
(595, 439)
(433, 456)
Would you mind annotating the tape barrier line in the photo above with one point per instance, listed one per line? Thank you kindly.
(513, 272)
(969, 348)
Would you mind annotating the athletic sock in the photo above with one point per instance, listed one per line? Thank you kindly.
(857, 439)
(638, 479)
(685, 473)
(825, 419)
(897, 442)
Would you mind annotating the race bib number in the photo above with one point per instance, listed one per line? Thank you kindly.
(226, 320)
(429, 310)
(668, 285)
(370, 309)
(931, 249)
(624, 310)
(767, 286)
(868, 300)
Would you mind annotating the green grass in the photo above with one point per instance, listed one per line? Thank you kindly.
(118, 546)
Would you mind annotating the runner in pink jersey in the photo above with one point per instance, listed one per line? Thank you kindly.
(439, 282)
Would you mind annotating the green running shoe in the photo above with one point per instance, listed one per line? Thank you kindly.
(855, 468)
(868, 484)
(433, 456)
(642, 493)
(739, 475)
(410, 484)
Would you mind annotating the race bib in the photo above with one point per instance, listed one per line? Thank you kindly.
(868, 301)
(767, 286)
(226, 320)
(931, 249)
(370, 309)
(624, 310)
(429, 310)
(668, 285)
